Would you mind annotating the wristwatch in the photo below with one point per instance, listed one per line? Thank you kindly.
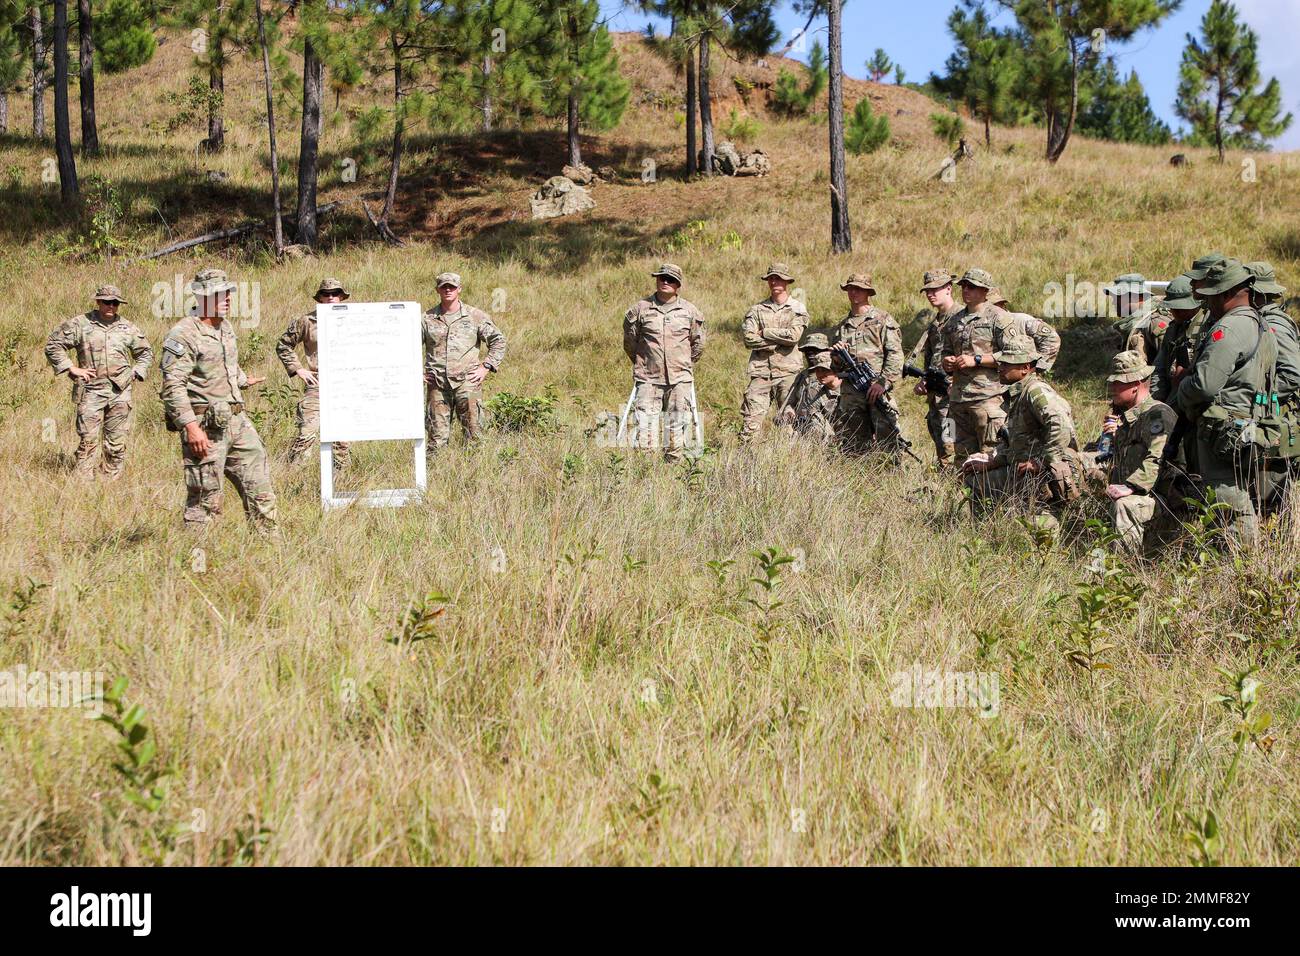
(979, 360)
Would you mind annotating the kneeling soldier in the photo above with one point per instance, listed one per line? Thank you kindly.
(453, 332)
(810, 409)
(111, 354)
(772, 330)
(1038, 460)
(302, 331)
(1139, 434)
(202, 399)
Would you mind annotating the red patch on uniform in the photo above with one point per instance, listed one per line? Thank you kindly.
(1218, 334)
(1161, 325)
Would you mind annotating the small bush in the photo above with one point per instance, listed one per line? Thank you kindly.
(865, 132)
(517, 413)
(740, 129)
(949, 127)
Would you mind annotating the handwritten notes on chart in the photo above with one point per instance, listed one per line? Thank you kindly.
(371, 364)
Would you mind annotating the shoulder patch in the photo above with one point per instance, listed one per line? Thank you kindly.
(174, 346)
(1157, 427)
(1216, 334)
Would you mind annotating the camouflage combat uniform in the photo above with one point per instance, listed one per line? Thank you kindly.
(772, 332)
(119, 354)
(874, 338)
(810, 409)
(202, 383)
(663, 340)
(302, 331)
(451, 352)
(975, 400)
(926, 355)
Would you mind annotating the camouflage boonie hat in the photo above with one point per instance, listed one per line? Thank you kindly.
(1128, 367)
(780, 270)
(669, 270)
(109, 293)
(1224, 277)
(1131, 283)
(859, 280)
(330, 284)
(978, 278)
(1017, 351)
(1202, 265)
(997, 296)
(447, 278)
(1265, 278)
(1178, 294)
(936, 279)
(817, 349)
(211, 282)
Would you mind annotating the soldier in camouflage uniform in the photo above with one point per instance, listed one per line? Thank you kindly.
(452, 334)
(975, 400)
(1227, 395)
(1265, 298)
(1141, 427)
(937, 287)
(772, 330)
(1045, 338)
(203, 399)
(112, 354)
(810, 409)
(1142, 323)
(302, 331)
(1038, 463)
(1178, 347)
(663, 336)
(870, 419)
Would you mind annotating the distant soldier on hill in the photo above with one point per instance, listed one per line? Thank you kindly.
(112, 354)
(302, 331)
(453, 372)
(771, 330)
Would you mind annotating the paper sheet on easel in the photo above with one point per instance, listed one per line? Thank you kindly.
(371, 363)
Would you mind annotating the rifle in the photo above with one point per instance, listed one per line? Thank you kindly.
(936, 382)
(862, 376)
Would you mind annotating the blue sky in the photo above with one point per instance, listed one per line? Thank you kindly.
(914, 34)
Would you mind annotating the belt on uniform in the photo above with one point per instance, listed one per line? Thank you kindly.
(236, 408)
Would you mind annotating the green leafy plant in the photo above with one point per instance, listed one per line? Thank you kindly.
(721, 570)
(948, 127)
(191, 106)
(865, 132)
(22, 598)
(1104, 601)
(740, 129)
(418, 622)
(1241, 700)
(517, 413)
(631, 564)
(790, 96)
(241, 849)
(137, 764)
(1204, 837)
(767, 621)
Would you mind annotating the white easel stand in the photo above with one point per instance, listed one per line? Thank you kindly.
(383, 498)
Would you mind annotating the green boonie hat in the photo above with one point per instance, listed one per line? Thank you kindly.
(1128, 367)
(109, 293)
(859, 280)
(815, 342)
(1224, 277)
(1131, 283)
(211, 282)
(330, 284)
(1265, 278)
(936, 279)
(447, 278)
(1178, 294)
(978, 278)
(669, 271)
(780, 270)
(1017, 351)
(1202, 265)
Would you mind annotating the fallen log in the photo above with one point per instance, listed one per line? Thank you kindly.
(230, 233)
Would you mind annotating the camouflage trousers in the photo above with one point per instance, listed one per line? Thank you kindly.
(1130, 516)
(238, 453)
(663, 417)
(460, 398)
(103, 420)
(938, 425)
(309, 430)
(1044, 495)
(763, 392)
(1241, 483)
(865, 427)
(975, 426)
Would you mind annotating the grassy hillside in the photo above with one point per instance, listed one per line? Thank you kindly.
(597, 689)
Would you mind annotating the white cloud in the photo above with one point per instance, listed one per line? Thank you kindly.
(1277, 23)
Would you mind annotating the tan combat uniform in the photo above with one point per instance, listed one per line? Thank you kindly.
(1045, 338)
(926, 355)
(975, 400)
(664, 340)
(1139, 444)
(874, 338)
(302, 331)
(451, 352)
(119, 354)
(810, 409)
(201, 383)
(772, 332)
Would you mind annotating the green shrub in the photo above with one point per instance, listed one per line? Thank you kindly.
(865, 132)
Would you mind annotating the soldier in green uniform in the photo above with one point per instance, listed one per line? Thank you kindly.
(112, 354)
(1139, 430)
(869, 420)
(453, 370)
(203, 399)
(1265, 298)
(1038, 462)
(302, 331)
(937, 287)
(1228, 395)
(975, 399)
(810, 409)
(771, 330)
(1177, 348)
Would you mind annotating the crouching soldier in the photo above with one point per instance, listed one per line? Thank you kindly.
(1037, 462)
(810, 410)
(203, 399)
(302, 331)
(1139, 430)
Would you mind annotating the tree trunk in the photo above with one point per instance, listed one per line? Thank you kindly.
(85, 32)
(691, 99)
(395, 159)
(313, 77)
(575, 144)
(1060, 130)
(1218, 118)
(988, 135)
(706, 108)
(4, 112)
(485, 106)
(270, 131)
(68, 190)
(841, 238)
(38, 75)
(216, 141)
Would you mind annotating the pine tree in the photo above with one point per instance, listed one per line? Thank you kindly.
(218, 29)
(841, 237)
(794, 98)
(69, 191)
(39, 67)
(1219, 90)
(1120, 111)
(879, 66)
(499, 73)
(12, 63)
(983, 72)
(588, 89)
(123, 35)
(866, 132)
